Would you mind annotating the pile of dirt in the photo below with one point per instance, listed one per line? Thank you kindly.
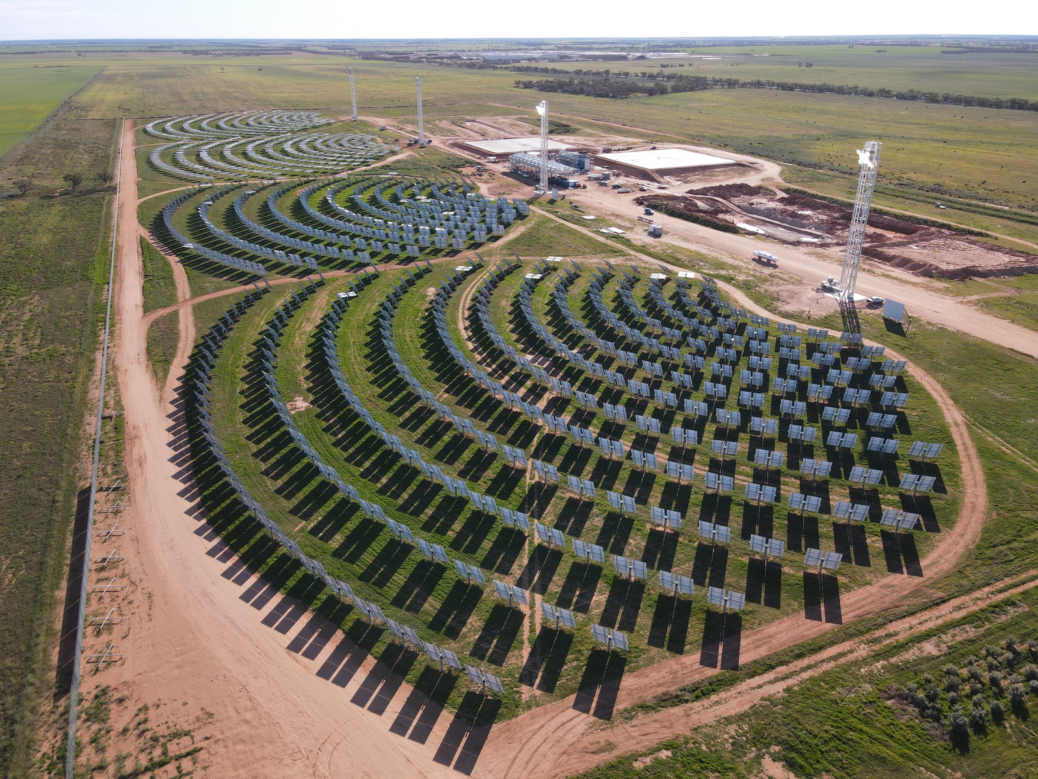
(923, 250)
(728, 191)
(936, 253)
(685, 208)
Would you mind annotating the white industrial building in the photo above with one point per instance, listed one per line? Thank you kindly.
(504, 147)
(661, 161)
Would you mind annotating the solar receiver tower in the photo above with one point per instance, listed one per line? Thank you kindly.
(421, 128)
(868, 158)
(353, 96)
(542, 109)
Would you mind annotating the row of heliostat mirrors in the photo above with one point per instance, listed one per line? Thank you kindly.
(265, 144)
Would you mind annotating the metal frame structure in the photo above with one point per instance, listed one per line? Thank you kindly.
(868, 158)
(353, 96)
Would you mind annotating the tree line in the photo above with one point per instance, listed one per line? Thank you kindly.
(619, 85)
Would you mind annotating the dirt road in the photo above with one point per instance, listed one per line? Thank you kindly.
(811, 267)
(291, 696)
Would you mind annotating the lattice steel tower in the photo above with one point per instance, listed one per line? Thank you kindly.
(542, 109)
(868, 158)
(421, 128)
(353, 96)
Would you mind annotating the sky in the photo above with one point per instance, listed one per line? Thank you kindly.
(280, 19)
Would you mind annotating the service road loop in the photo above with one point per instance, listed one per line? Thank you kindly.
(273, 714)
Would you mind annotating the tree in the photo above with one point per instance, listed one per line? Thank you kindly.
(105, 177)
(23, 186)
(73, 180)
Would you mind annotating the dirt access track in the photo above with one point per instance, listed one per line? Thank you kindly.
(293, 697)
(811, 266)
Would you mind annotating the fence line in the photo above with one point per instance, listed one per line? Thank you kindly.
(77, 660)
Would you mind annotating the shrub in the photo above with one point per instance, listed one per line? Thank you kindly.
(1017, 693)
(953, 699)
(951, 670)
(957, 722)
(1010, 643)
(1034, 687)
(975, 673)
(990, 650)
(927, 679)
(998, 712)
(1031, 672)
(976, 687)
(932, 693)
(978, 717)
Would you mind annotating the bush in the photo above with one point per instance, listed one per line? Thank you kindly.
(957, 722)
(1031, 672)
(978, 717)
(1010, 643)
(953, 699)
(1034, 687)
(932, 693)
(976, 687)
(990, 651)
(971, 660)
(975, 673)
(995, 679)
(1017, 693)
(1032, 648)
(951, 670)
(998, 712)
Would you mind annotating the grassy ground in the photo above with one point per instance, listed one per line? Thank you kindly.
(886, 716)
(53, 252)
(1022, 309)
(30, 88)
(543, 237)
(159, 289)
(162, 344)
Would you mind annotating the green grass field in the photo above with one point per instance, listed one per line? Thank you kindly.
(30, 88)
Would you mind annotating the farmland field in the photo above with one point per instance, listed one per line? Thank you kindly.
(30, 88)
